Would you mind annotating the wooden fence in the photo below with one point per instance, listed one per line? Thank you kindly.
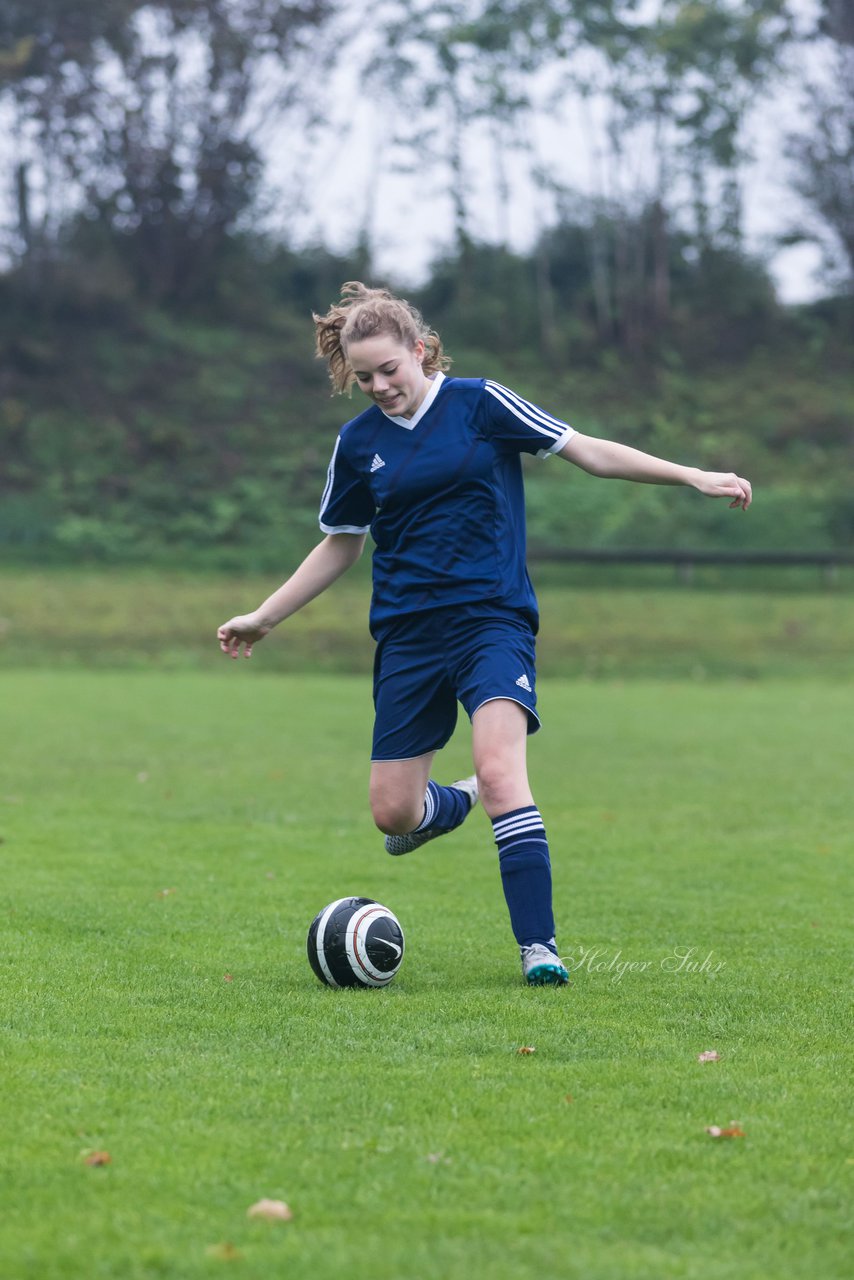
(686, 561)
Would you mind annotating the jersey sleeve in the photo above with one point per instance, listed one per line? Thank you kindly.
(521, 425)
(347, 505)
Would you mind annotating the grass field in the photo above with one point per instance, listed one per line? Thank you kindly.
(167, 838)
(743, 623)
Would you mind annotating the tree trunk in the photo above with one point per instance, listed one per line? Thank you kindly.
(25, 228)
(546, 304)
(660, 265)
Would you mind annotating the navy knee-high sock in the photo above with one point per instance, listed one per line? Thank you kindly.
(526, 875)
(444, 808)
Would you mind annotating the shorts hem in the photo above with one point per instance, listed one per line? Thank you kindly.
(401, 759)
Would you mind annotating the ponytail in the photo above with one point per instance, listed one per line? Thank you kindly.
(366, 313)
(328, 347)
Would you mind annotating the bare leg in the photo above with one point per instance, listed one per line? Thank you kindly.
(397, 792)
(499, 742)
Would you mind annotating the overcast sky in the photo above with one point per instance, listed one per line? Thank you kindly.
(348, 180)
(330, 185)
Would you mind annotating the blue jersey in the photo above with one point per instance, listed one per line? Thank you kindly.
(442, 496)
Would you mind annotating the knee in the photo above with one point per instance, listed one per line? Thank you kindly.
(494, 785)
(394, 815)
(502, 788)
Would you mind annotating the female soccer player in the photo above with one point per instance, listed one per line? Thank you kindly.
(432, 470)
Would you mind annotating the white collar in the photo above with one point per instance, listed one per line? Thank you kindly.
(435, 383)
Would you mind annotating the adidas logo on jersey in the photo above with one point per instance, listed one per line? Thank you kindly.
(377, 463)
(524, 683)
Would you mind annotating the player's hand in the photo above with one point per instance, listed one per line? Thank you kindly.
(242, 630)
(726, 484)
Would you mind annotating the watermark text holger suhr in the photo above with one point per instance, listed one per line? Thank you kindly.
(676, 960)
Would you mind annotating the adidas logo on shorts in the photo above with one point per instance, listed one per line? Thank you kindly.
(524, 683)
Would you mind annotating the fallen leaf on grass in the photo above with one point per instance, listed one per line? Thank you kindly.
(437, 1157)
(225, 1252)
(568, 1098)
(164, 893)
(226, 977)
(270, 1211)
(709, 1055)
(715, 1131)
(98, 1158)
(526, 1048)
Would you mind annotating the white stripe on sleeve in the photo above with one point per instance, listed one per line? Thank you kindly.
(330, 480)
(344, 528)
(330, 476)
(537, 419)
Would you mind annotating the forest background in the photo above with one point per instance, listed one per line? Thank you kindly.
(159, 398)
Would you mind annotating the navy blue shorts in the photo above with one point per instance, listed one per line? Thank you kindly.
(427, 662)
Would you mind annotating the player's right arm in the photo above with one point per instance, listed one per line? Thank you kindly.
(321, 567)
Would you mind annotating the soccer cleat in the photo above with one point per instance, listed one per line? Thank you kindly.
(396, 845)
(468, 786)
(541, 967)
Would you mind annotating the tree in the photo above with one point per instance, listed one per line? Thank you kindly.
(823, 154)
(48, 54)
(837, 21)
(660, 92)
(140, 116)
(672, 86)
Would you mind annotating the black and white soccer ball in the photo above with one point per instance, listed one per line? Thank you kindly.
(355, 942)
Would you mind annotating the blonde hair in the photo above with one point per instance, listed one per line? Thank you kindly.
(365, 313)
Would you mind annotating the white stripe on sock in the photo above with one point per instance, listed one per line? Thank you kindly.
(528, 820)
(521, 824)
(429, 808)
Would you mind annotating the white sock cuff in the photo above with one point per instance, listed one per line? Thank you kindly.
(429, 808)
(521, 822)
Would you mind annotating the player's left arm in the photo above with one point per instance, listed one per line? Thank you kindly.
(613, 461)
